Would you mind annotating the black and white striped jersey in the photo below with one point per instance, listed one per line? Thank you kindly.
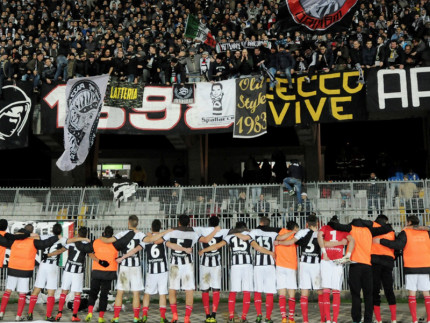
(56, 246)
(309, 247)
(134, 260)
(156, 257)
(212, 258)
(76, 260)
(240, 250)
(186, 238)
(265, 239)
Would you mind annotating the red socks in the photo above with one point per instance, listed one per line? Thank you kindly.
(215, 301)
(33, 300)
(50, 305)
(269, 305)
(304, 306)
(246, 304)
(21, 304)
(116, 311)
(174, 310)
(145, 311)
(336, 304)
(76, 304)
(4, 301)
(283, 306)
(291, 308)
(136, 311)
(377, 311)
(206, 301)
(188, 310)
(321, 306)
(393, 310)
(257, 302)
(101, 314)
(162, 311)
(427, 304)
(231, 304)
(326, 301)
(412, 300)
(90, 308)
(62, 301)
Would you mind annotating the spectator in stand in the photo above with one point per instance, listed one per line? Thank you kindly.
(246, 64)
(35, 66)
(71, 66)
(80, 65)
(271, 64)
(395, 57)
(48, 72)
(91, 66)
(321, 62)
(356, 54)
(285, 64)
(340, 56)
(5, 71)
(295, 178)
(192, 64)
(411, 59)
(380, 52)
(205, 65)
(175, 73)
(219, 70)
(369, 54)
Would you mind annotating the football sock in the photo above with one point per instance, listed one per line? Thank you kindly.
(336, 304)
(174, 310)
(21, 304)
(283, 305)
(116, 311)
(145, 311)
(304, 306)
(101, 314)
(393, 310)
(33, 300)
(76, 304)
(257, 302)
(231, 304)
(246, 304)
(90, 309)
(215, 301)
(291, 308)
(206, 301)
(269, 305)
(162, 312)
(377, 311)
(62, 301)
(136, 311)
(4, 301)
(326, 300)
(49, 305)
(321, 306)
(188, 310)
(412, 300)
(427, 304)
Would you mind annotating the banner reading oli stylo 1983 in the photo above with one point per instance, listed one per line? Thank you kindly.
(251, 117)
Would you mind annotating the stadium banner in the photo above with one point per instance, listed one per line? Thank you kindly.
(406, 90)
(15, 115)
(331, 97)
(251, 117)
(235, 46)
(183, 94)
(194, 29)
(84, 98)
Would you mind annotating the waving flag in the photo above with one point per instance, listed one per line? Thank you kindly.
(196, 30)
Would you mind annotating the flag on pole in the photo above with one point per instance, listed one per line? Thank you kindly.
(84, 97)
(196, 30)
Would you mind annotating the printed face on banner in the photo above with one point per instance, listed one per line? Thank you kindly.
(84, 102)
(13, 116)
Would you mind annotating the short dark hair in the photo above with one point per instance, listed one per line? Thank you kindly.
(240, 225)
(156, 226)
(29, 228)
(312, 220)
(215, 84)
(213, 221)
(413, 219)
(83, 232)
(108, 232)
(334, 219)
(382, 217)
(133, 220)
(57, 229)
(291, 225)
(3, 224)
(265, 221)
(184, 220)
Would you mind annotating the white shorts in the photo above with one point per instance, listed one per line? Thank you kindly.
(241, 278)
(210, 277)
(20, 284)
(47, 276)
(157, 284)
(286, 278)
(331, 275)
(130, 279)
(265, 279)
(417, 282)
(73, 282)
(182, 277)
(310, 276)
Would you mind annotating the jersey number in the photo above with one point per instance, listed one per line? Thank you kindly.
(179, 242)
(310, 247)
(238, 244)
(264, 242)
(155, 252)
(333, 235)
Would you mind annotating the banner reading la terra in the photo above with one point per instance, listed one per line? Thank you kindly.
(331, 97)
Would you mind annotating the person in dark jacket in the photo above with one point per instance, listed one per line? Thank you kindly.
(340, 55)
(395, 57)
(380, 52)
(285, 63)
(5, 71)
(369, 53)
(92, 66)
(245, 64)
(219, 70)
(175, 73)
(48, 72)
(356, 54)
(295, 178)
(271, 64)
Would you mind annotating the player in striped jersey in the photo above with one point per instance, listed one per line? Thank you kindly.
(241, 272)
(310, 275)
(130, 272)
(157, 275)
(264, 265)
(181, 265)
(47, 275)
(332, 246)
(210, 268)
(73, 275)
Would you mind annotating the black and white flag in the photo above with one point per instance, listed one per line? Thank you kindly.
(123, 191)
(183, 94)
(84, 97)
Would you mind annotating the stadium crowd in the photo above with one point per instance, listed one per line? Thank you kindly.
(143, 41)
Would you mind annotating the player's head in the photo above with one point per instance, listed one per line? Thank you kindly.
(29, 228)
(57, 229)
(381, 219)
(184, 220)
(213, 221)
(264, 221)
(156, 226)
(291, 225)
(311, 221)
(83, 232)
(133, 221)
(413, 220)
(240, 225)
(108, 232)
(3, 224)
(334, 219)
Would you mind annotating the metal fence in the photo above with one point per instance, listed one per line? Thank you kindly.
(96, 208)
